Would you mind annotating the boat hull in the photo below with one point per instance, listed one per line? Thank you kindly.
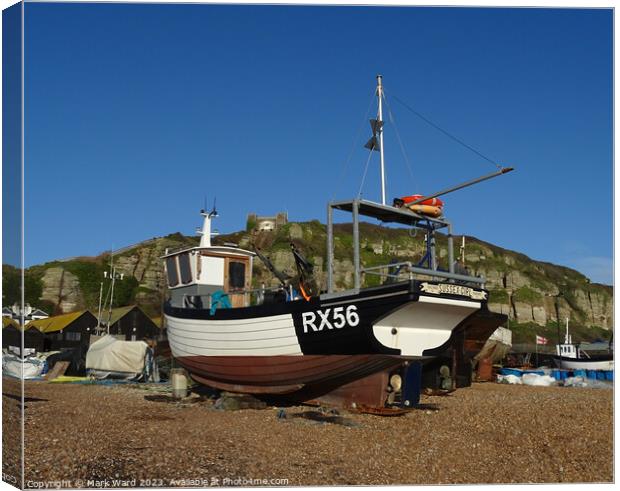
(284, 374)
(594, 363)
(314, 347)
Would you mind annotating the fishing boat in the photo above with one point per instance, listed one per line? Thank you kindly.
(570, 356)
(365, 346)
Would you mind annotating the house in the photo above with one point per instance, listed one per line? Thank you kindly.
(11, 332)
(130, 323)
(65, 331)
(15, 312)
(267, 223)
(12, 335)
(8, 322)
(38, 314)
(75, 329)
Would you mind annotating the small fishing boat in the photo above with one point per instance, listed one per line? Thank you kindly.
(363, 347)
(570, 356)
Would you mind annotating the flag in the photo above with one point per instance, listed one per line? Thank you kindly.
(541, 340)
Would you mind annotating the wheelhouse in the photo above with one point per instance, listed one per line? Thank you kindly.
(198, 276)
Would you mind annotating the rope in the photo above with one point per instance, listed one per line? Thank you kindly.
(428, 121)
(359, 194)
(355, 140)
(400, 143)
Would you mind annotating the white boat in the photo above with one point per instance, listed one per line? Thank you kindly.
(570, 356)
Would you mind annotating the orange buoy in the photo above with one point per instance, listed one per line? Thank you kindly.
(429, 202)
(433, 211)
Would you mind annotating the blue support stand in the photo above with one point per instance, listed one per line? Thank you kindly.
(412, 385)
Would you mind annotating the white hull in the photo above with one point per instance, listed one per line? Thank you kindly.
(422, 325)
(262, 336)
(584, 364)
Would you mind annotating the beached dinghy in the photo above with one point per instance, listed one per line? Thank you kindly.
(360, 347)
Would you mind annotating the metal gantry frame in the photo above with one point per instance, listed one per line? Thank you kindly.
(390, 214)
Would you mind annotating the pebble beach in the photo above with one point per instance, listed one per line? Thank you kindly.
(84, 436)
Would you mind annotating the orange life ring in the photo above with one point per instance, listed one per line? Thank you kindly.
(429, 202)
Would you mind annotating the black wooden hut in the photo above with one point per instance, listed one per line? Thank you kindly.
(130, 322)
(12, 335)
(65, 331)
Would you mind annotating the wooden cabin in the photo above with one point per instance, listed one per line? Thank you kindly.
(197, 275)
(131, 323)
(65, 331)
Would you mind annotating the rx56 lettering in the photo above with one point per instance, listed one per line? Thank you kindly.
(337, 318)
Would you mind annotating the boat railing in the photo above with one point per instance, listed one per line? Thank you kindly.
(253, 296)
(410, 270)
(398, 216)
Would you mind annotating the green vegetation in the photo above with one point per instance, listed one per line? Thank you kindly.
(90, 276)
(526, 332)
(498, 296)
(526, 295)
(33, 288)
(390, 243)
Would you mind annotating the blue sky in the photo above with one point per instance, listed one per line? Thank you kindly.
(136, 113)
(11, 135)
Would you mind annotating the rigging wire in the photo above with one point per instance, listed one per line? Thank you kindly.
(428, 121)
(356, 139)
(359, 194)
(400, 142)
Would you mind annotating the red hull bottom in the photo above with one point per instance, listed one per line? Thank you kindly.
(343, 380)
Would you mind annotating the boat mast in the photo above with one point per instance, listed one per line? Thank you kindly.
(99, 310)
(380, 130)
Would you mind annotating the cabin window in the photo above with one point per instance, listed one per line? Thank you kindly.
(236, 275)
(185, 269)
(73, 336)
(171, 269)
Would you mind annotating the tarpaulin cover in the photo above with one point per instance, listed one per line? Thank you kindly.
(111, 355)
(497, 346)
(13, 366)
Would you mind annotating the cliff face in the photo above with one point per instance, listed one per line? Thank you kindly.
(75, 284)
(528, 291)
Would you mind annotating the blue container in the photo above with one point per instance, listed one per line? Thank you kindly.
(580, 373)
(510, 371)
(555, 374)
(591, 374)
(600, 375)
(609, 375)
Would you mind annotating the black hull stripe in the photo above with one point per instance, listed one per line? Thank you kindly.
(363, 299)
(296, 306)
